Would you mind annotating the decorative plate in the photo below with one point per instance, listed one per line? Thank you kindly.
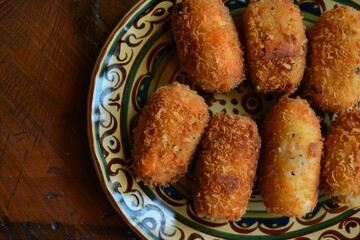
(138, 58)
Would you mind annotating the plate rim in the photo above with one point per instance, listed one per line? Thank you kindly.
(90, 115)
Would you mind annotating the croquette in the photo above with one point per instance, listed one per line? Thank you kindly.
(225, 171)
(276, 45)
(333, 80)
(289, 166)
(340, 175)
(167, 133)
(208, 44)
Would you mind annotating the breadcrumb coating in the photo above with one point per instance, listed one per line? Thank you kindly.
(225, 171)
(167, 133)
(276, 45)
(333, 80)
(289, 167)
(340, 176)
(208, 44)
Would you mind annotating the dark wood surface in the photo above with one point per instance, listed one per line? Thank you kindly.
(48, 185)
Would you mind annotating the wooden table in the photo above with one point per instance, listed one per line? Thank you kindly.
(48, 185)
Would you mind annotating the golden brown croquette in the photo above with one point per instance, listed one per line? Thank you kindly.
(289, 167)
(340, 175)
(225, 171)
(333, 80)
(167, 133)
(208, 45)
(276, 45)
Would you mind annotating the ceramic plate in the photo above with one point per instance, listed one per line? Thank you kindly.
(138, 58)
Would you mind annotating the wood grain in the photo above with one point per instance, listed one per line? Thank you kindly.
(48, 185)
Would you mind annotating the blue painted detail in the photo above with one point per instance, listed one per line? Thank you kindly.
(143, 90)
(246, 222)
(171, 192)
(275, 222)
(330, 204)
(149, 223)
(310, 7)
(236, 4)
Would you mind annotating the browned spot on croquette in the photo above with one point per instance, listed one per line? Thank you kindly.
(227, 183)
(276, 45)
(225, 170)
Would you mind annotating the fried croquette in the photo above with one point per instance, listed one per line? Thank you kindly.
(208, 45)
(333, 80)
(289, 167)
(167, 133)
(276, 45)
(340, 175)
(225, 171)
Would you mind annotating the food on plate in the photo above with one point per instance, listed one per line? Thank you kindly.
(289, 167)
(276, 45)
(340, 174)
(208, 45)
(226, 168)
(333, 80)
(167, 133)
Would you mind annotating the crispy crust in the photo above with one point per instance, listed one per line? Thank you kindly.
(208, 46)
(225, 171)
(289, 168)
(166, 136)
(333, 81)
(275, 45)
(340, 176)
